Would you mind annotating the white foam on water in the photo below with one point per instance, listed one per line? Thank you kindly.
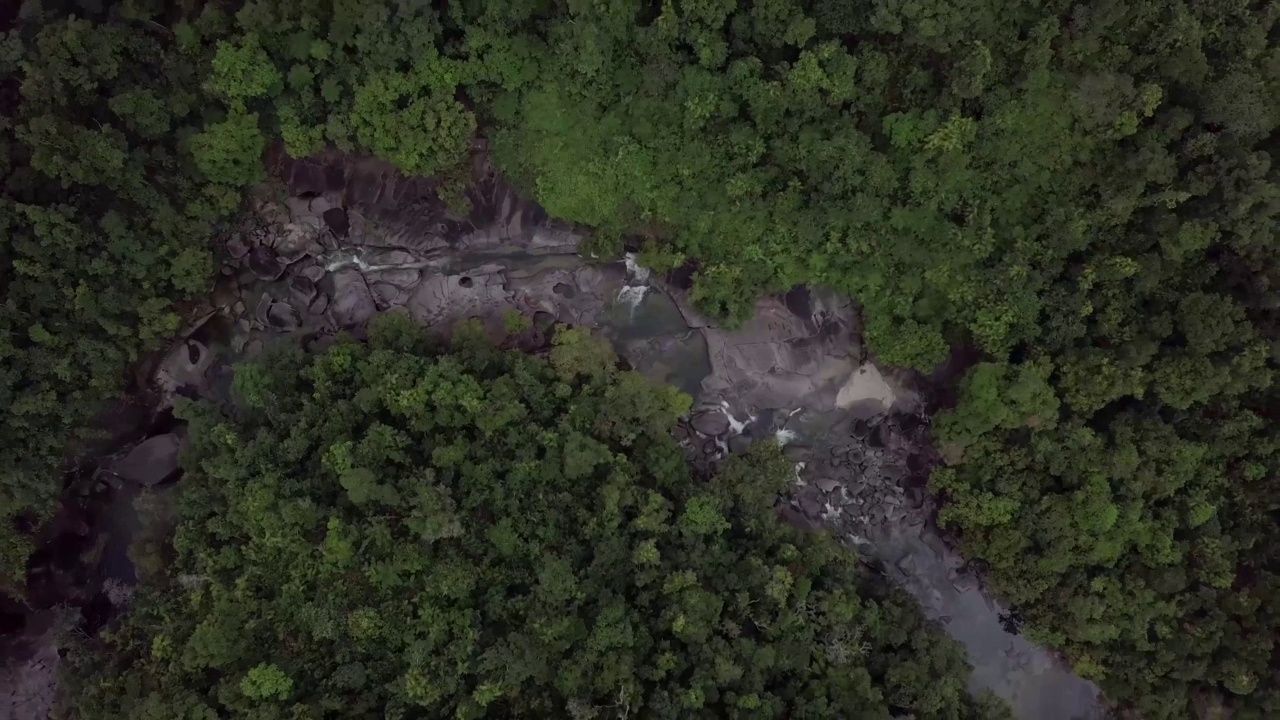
(635, 271)
(632, 296)
(736, 426)
(785, 436)
(857, 540)
(343, 260)
(799, 480)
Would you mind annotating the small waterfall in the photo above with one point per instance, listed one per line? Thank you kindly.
(736, 426)
(357, 258)
(341, 260)
(632, 294)
(799, 474)
(635, 271)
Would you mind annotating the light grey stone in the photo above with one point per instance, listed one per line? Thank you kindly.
(352, 302)
(827, 485)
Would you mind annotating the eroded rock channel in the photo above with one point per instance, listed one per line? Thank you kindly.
(348, 239)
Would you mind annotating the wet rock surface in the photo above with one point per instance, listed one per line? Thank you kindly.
(28, 681)
(79, 576)
(868, 489)
(354, 238)
(150, 462)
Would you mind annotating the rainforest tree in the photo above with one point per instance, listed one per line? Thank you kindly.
(385, 530)
(105, 227)
(1086, 194)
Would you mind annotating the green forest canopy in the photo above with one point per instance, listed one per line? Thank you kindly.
(380, 531)
(1084, 193)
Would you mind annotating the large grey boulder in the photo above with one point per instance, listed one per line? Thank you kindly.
(265, 264)
(151, 461)
(710, 422)
(352, 301)
(778, 359)
(283, 317)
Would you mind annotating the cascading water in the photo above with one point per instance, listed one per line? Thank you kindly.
(632, 294)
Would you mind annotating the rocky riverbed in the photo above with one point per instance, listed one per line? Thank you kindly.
(340, 240)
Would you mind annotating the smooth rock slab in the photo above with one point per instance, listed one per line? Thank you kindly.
(779, 360)
(312, 272)
(237, 247)
(389, 296)
(283, 317)
(297, 239)
(183, 366)
(402, 278)
(319, 305)
(352, 302)
(445, 299)
(337, 221)
(710, 422)
(964, 582)
(866, 393)
(153, 460)
(265, 264)
(302, 290)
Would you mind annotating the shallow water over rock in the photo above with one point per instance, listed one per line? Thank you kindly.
(355, 239)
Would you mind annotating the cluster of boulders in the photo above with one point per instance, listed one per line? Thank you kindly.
(870, 486)
(285, 271)
(862, 475)
(866, 475)
(353, 238)
(861, 471)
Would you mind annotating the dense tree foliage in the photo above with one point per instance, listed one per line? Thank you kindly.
(1085, 193)
(127, 135)
(103, 227)
(381, 531)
